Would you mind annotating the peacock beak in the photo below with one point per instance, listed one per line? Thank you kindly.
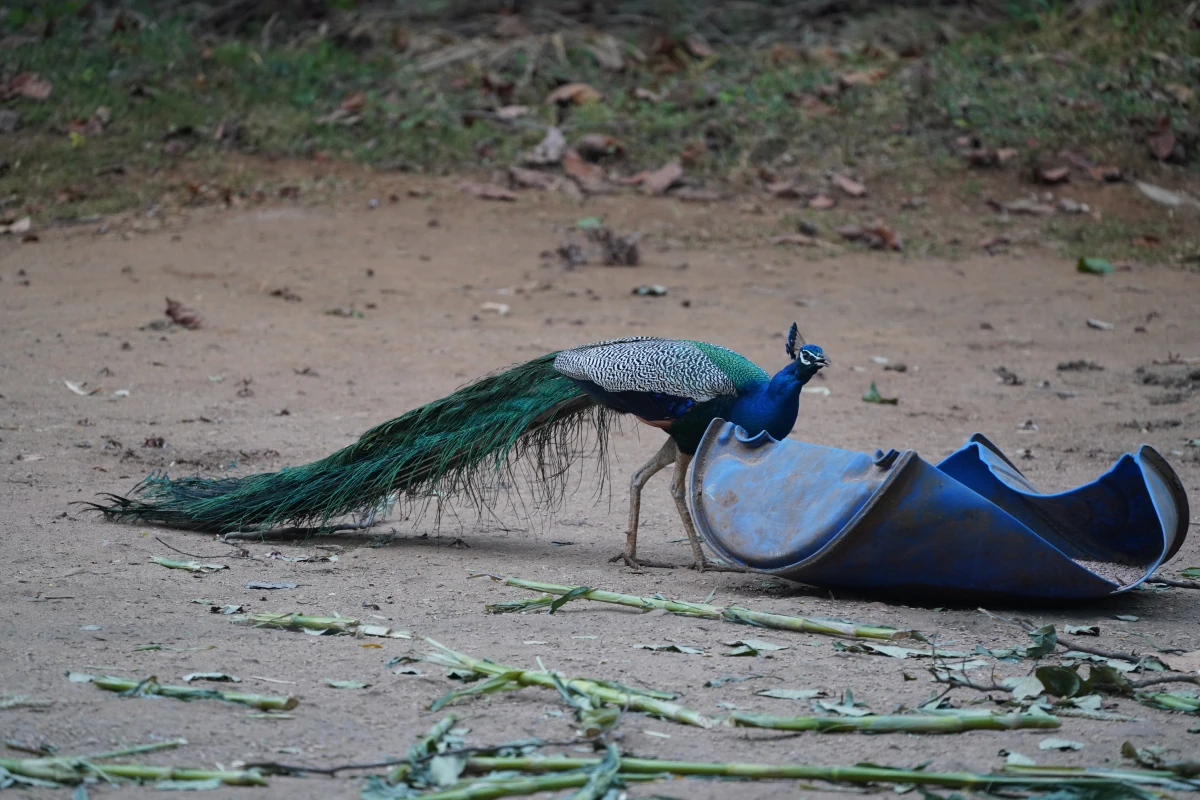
(823, 361)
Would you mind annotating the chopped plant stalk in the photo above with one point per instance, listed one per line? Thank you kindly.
(190, 566)
(1171, 701)
(1075, 777)
(599, 691)
(76, 770)
(733, 614)
(950, 721)
(334, 625)
(152, 686)
(424, 747)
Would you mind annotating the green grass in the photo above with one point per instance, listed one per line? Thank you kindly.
(1001, 84)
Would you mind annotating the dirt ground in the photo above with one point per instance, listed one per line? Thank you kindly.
(270, 382)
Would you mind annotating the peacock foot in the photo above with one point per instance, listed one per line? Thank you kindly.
(704, 565)
(636, 563)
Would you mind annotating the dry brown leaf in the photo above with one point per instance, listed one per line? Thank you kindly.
(30, 85)
(661, 179)
(512, 112)
(180, 314)
(1161, 144)
(353, 102)
(486, 191)
(1184, 662)
(785, 190)
(812, 104)
(530, 178)
(889, 239)
(577, 93)
(1054, 174)
(862, 77)
(590, 177)
(822, 202)
(1105, 173)
(645, 94)
(595, 146)
(698, 47)
(1184, 95)
(851, 187)
(1146, 241)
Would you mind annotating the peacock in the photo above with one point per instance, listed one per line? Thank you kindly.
(471, 445)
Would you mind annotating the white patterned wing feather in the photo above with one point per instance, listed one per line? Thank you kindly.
(646, 364)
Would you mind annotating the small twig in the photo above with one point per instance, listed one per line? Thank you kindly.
(1165, 679)
(1095, 651)
(268, 766)
(1173, 582)
(186, 553)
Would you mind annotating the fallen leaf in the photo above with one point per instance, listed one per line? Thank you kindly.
(1054, 175)
(353, 102)
(650, 291)
(1059, 744)
(501, 309)
(346, 684)
(1145, 241)
(1105, 174)
(549, 150)
(1025, 205)
(851, 187)
(645, 94)
(29, 85)
(1082, 630)
(190, 566)
(1185, 662)
(752, 647)
(513, 112)
(1164, 196)
(270, 585)
(23, 225)
(1161, 144)
(862, 77)
(698, 47)
(670, 648)
(1183, 94)
(664, 178)
(791, 694)
(219, 677)
(693, 194)
(822, 202)
(530, 178)
(595, 146)
(78, 388)
(785, 190)
(577, 93)
(590, 177)
(1025, 687)
(1094, 266)
(182, 315)
(487, 191)
(1101, 325)
(872, 395)
(888, 238)
(1014, 759)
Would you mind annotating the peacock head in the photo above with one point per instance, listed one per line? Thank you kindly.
(807, 358)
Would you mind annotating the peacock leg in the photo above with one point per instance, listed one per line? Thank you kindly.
(662, 459)
(679, 492)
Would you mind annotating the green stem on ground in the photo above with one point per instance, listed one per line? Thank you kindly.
(833, 774)
(139, 748)
(734, 614)
(423, 747)
(625, 698)
(924, 723)
(342, 625)
(151, 686)
(70, 770)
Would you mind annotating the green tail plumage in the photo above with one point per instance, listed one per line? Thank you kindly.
(458, 447)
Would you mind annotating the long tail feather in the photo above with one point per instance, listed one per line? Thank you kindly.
(462, 447)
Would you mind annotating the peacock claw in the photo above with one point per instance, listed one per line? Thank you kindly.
(635, 563)
(704, 565)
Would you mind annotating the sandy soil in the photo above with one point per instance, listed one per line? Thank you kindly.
(270, 382)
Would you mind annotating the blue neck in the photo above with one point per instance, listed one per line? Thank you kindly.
(772, 406)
